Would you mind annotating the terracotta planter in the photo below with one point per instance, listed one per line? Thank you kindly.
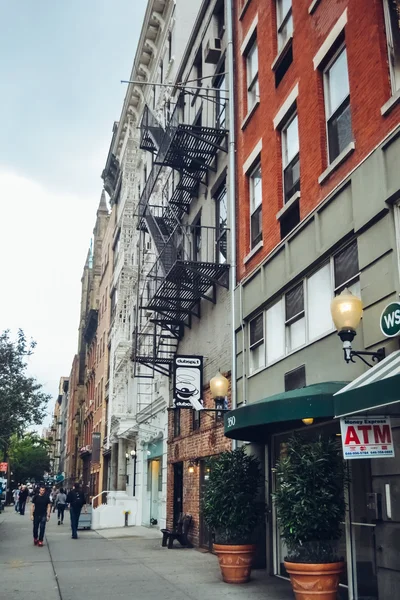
(235, 561)
(315, 581)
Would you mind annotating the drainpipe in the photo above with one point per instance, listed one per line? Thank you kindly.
(232, 194)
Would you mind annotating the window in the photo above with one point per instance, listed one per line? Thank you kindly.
(257, 348)
(253, 91)
(295, 321)
(319, 296)
(337, 104)
(275, 332)
(284, 21)
(196, 419)
(198, 65)
(255, 184)
(196, 240)
(290, 158)
(170, 46)
(346, 270)
(177, 422)
(161, 72)
(295, 379)
(220, 100)
(221, 219)
(392, 23)
(219, 15)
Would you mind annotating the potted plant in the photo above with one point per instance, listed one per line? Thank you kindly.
(310, 508)
(232, 510)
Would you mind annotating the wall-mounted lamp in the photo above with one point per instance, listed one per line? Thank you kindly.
(346, 310)
(219, 386)
(192, 464)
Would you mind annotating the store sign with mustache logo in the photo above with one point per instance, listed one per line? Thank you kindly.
(188, 382)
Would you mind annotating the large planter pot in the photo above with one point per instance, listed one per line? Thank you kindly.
(235, 561)
(319, 581)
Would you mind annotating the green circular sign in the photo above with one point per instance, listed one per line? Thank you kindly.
(390, 319)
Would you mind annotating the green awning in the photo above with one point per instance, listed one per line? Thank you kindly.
(373, 390)
(251, 422)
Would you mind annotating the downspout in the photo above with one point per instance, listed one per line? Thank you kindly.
(232, 195)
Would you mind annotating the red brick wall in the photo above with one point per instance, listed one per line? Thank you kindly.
(189, 446)
(369, 90)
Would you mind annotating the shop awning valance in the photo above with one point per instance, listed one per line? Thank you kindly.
(253, 421)
(374, 389)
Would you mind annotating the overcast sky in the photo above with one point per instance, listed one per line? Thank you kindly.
(61, 63)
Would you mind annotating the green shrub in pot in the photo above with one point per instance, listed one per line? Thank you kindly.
(309, 500)
(231, 505)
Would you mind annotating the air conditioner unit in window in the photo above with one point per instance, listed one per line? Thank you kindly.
(212, 51)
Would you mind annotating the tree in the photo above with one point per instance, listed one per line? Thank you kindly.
(29, 457)
(22, 400)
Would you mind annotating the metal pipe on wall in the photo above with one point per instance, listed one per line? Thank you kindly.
(232, 194)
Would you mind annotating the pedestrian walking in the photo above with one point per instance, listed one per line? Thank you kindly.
(40, 514)
(61, 501)
(23, 496)
(76, 500)
(16, 498)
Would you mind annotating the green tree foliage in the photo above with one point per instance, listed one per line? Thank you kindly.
(309, 499)
(231, 505)
(22, 401)
(29, 457)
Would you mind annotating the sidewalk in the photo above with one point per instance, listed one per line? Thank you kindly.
(99, 566)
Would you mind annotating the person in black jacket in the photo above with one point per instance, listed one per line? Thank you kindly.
(76, 500)
(23, 495)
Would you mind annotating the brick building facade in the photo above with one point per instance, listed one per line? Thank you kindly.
(370, 90)
(318, 146)
(190, 444)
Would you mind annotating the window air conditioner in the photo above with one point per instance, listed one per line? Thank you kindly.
(212, 51)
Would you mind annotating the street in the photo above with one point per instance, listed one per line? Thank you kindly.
(97, 566)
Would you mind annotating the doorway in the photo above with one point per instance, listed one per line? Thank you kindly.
(178, 491)
(364, 514)
(154, 488)
(205, 537)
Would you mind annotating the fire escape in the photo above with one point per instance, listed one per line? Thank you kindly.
(188, 268)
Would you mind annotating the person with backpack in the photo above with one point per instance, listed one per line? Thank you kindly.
(61, 501)
(76, 500)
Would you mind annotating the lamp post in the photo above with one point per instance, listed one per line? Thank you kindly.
(346, 310)
(219, 386)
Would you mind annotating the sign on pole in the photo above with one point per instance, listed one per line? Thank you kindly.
(3, 467)
(188, 382)
(390, 319)
(366, 437)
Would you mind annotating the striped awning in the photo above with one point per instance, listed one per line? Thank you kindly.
(374, 390)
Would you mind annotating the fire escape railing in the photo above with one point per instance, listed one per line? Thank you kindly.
(191, 258)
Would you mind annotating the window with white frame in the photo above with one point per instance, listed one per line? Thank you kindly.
(253, 90)
(255, 185)
(303, 315)
(346, 270)
(337, 104)
(257, 346)
(284, 21)
(392, 24)
(291, 157)
(295, 321)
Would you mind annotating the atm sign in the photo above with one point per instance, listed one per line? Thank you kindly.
(366, 437)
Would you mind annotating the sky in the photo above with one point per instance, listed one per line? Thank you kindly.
(61, 63)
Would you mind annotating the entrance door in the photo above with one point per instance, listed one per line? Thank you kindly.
(178, 491)
(363, 517)
(154, 471)
(205, 534)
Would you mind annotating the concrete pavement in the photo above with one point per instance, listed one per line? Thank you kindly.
(101, 566)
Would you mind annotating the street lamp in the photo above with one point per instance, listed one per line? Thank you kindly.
(346, 310)
(219, 386)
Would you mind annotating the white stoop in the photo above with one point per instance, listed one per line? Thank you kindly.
(112, 514)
